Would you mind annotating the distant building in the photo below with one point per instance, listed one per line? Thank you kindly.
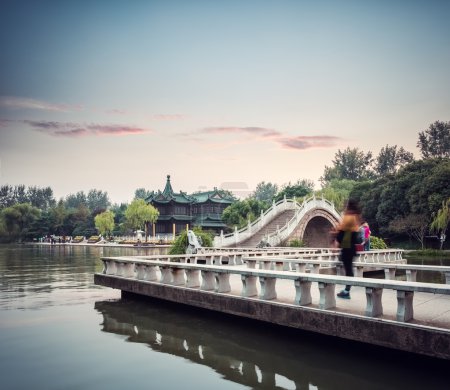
(202, 209)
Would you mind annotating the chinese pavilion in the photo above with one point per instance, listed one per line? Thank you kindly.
(176, 210)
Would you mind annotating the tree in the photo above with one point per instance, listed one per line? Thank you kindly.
(18, 218)
(390, 159)
(299, 189)
(75, 200)
(441, 221)
(97, 201)
(415, 225)
(180, 244)
(139, 214)
(142, 193)
(351, 164)
(104, 222)
(265, 192)
(337, 191)
(240, 212)
(435, 141)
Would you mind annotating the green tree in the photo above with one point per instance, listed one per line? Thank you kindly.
(265, 192)
(390, 159)
(139, 214)
(299, 189)
(240, 212)
(142, 193)
(351, 164)
(441, 221)
(75, 200)
(104, 223)
(97, 201)
(435, 141)
(415, 225)
(337, 191)
(18, 219)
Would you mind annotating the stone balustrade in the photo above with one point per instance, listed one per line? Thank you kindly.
(214, 278)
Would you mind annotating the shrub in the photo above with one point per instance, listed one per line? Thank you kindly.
(296, 243)
(377, 243)
(181, 242)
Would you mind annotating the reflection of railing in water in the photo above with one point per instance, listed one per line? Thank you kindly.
(254, 356)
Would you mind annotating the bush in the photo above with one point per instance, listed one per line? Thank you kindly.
(181, 242)
(296, 243)
(377, 243)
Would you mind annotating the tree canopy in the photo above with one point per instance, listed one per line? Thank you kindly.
(435, 141)
(265, 192)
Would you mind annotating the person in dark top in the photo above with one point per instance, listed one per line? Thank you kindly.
(347, 237)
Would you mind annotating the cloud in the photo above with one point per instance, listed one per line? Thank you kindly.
(70, 129)
(257, 131)
(309, 142)
(33, 104)
(286, 141)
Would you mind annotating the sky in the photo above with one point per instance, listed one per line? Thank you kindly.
(115, 95)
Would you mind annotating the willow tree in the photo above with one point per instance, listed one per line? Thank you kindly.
(104, 222)
(139, 215)
(441, 221)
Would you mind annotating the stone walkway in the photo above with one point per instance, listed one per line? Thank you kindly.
(429, 309)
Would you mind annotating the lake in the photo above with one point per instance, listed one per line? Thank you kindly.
(60, 331)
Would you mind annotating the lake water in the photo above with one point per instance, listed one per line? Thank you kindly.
(60, 331)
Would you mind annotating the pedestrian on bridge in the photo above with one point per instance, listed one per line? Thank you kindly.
(347, 237)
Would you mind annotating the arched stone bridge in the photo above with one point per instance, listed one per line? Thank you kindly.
(310, 221)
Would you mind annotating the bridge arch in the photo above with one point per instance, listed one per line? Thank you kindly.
(314, 228)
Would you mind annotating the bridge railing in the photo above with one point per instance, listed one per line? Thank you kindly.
(216, 279)
(282, 234)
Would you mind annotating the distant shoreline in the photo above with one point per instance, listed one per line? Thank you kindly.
(100, 244)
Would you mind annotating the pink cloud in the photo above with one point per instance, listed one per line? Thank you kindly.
(69, 129)
(284, 140)
(309, 142)
(33, 104)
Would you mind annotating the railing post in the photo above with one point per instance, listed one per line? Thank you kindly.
(302, 292)
(208, 281)
(192, 278)
(223, 282)
(374, 306)
(268, 290)
(327, 297)
(249, 286)
(405, 310)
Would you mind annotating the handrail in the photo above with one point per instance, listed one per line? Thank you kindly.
(283, 233)
(217, 279)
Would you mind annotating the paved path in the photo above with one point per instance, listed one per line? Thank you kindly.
(429, 309)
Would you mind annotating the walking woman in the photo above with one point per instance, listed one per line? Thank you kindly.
(347, 237)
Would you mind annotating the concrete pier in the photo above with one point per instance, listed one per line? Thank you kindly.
(420, 326)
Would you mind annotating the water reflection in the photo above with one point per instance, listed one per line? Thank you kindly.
(261, 356)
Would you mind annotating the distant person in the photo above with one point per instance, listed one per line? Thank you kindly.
(347, 237)
(367, 234)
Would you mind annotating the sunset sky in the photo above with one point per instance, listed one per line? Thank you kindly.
(115, 95)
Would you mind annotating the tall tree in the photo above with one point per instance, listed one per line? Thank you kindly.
(73, 201)
(441, 221)
(299, 189)
(240, 212)
(435, 141)
(139, 214)
(351, 164)
(142, 193)
(97, 200)
(19, 217)
(104, 222)
(390, 159)
(265, 192)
